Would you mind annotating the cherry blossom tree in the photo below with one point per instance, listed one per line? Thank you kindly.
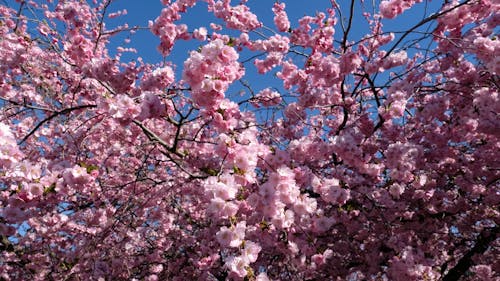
(369, 156)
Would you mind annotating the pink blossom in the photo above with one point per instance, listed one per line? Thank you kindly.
(27, 170)
(482, 271)
(9, 151)
(267, 97)
(232, 237)
(262, 277)
(200, 33)
(237, 265)
(224, 190)
(222, 208)
(79, 49)
(392, 8)
(160, 78)
(123, 107)
(396, 190)
(321, 259)
(280, 17)
(211, 71)
(236, 17)
(322, 224)
(389, 9)
(227, 55)
(151, 107)
(284, 219)
(250, 252)
(76, 175)
(395, 59)
(305, 205)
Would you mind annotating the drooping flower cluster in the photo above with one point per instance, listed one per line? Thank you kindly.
(276, 47)
(210, 71)
(165, 28)
(280, 17)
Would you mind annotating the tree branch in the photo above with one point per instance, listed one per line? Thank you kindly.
(483, 241)
(57, 113)
(424, 21)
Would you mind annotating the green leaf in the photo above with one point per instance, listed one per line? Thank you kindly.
(231, 42)
(238, 171)
(50, 189)
(210, 171)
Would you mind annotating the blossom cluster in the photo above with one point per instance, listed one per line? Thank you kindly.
(9, 150)
(210, 71)
(236, 17)
(392, 8)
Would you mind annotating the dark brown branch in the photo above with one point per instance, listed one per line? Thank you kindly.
(26, 105)
(377, 100)
(18, 15)
(424, 21)
(101, 24)
(153, 137)
(345, 111)
(57, 113)
(349, 25)
(483, 241)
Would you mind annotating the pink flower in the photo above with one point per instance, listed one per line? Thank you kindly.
(250, 252)
(227, 55)
(124, 108)
(482, 271)
(9, 150)
(395, 59)
(267, 97)
(224, 190)
(237, 265)
(79, 49)
(26, 170)
(288, 192)
(320, 259)
(305, 205)
(402, 159)
(76, 175)
(219, 207)
(225, 237)
(280, 17)
(230, 237)
(262, 277)
(200, 33)
(392, 8)
(211, 71)
(267, 192)
(322, 224)
(151, 107)
(284, 219)
(396, 190)
(238, 17)
(272, 59)
(164, 76)
(388, 9)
